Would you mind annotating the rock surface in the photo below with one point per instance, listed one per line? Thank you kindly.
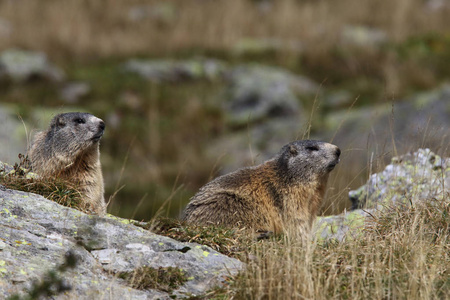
(174, 70)
(20, 66)
(36, 234)
(257, 93)
(409, 179)
(421, 121)
(263, 110)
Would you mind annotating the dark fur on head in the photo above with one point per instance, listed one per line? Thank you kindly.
(72, 133)
(306, 160)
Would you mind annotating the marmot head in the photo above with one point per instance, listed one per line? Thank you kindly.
(74, 132)
(307, 160)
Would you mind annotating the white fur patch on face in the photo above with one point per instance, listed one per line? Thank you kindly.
(95, 120)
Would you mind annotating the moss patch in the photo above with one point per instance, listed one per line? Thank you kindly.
(164, 279)
(232, 242)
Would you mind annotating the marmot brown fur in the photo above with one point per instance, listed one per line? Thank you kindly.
(69, 150)
(283, 192)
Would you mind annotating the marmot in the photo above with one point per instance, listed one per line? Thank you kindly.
(283, 192)
(69, 150)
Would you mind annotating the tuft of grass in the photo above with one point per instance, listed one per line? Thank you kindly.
(404, 254)
(164, 279)
(60, 191)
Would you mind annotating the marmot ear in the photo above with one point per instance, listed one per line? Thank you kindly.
(60, 122)
(293, 150)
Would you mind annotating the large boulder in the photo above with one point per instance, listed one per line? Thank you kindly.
(176, 70)
(255, 144)
(20, 65)
(420, 121)
(258, 93)
(36, 234)
(262, 111)
(409, 179)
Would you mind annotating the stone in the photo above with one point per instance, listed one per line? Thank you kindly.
(255, 93)
(408, 180)
(72, 92)
(20, 66)
(36, 234)
(255, 144)
(176, 70)
(420, 121)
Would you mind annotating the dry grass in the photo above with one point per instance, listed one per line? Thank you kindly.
(54, 189)
(403, 254)
(107, 27)
(90, 39)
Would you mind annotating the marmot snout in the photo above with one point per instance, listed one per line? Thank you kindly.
(283, 192)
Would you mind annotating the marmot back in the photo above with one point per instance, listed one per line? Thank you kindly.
(283, 192)
(69, 149)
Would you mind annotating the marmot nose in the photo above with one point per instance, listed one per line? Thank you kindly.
(101, 125)
(338, 152)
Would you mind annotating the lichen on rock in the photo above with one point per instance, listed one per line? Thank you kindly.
(408, 180)
(36, 233)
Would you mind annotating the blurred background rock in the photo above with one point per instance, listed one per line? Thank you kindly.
(192, 89)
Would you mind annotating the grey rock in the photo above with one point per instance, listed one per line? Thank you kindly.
(20, 65)
(421, 121)
(436, 5)
(255, 144)
(262, 110)
(257, 93)
(338, 99)
(72, 92)
(409, 179)
(340, 227)
(37, 233)
(174, 71)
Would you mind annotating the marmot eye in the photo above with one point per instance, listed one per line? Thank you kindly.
(312, 148)
(79, 121)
